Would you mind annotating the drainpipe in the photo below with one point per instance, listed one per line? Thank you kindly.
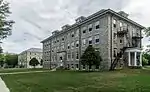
(111, 38)
(79, 46)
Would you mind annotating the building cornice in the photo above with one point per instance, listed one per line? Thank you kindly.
(91, 17)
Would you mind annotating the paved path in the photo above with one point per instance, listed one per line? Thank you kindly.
(3, 87)
(22, 72)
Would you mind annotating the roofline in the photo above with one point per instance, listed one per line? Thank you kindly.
(95, 15)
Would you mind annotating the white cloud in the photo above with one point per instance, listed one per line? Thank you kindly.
(139, 11)
(36, 19)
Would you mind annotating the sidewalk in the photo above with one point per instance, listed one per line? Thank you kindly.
(23, 72)
(3, 87)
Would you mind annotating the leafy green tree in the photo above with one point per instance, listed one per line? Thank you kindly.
(41, 62)
(11, 60)
(1, 60)
(91, 57)
(144, 61)
(34, 62)
(5, 24)
(146, 57)
(147, 31)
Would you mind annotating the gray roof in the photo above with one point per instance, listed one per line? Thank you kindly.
(33, 50)
(97, 14)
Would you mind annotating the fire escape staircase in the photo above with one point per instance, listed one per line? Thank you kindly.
(120, 54)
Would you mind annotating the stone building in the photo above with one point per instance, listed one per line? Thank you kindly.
(117, 37)
(25, 56)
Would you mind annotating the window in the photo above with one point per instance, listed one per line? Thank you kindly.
(62, 39)
(120, 41)
(57, 40)
(114, 23)
(84, 31)
(120, 25)
(115, 53)
(69, 55)
(72, 35)
(72, 54)
(97, 39)
(115, 35)
(97, 25)
(62, 46)
(77, 55)
(83, 41)
(90, 27)
(30, 53)
(77, 66)
(77, 44)
(68, 46)
(72, 45)
(77, 33)
(90, 40)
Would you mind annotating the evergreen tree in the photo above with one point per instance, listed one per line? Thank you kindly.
(34, 62)
(90, 57)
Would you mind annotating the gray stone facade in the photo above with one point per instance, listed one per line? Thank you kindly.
(100, 30)
(25, 57)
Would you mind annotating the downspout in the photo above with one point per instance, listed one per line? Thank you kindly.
(80, 43)
(111, 39)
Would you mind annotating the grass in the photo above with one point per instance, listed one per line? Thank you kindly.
(132, 80)
(18, 70)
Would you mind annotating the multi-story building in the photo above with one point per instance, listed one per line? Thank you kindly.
(25, 56)
(112, 33)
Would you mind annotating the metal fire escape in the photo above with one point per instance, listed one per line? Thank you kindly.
(123, 32)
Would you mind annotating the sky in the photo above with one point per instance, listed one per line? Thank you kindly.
(36, 19)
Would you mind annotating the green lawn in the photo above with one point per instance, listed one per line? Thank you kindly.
(67, 81)
(18, 70)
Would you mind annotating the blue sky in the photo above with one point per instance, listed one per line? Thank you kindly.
(36, 19)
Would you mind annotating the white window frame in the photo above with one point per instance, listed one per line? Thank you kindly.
(84, 28)
(97, 23)
(90, 26)
(77, 33)
(83, 41)
(97, 37)
(72, 45)
(89, 39)
(77, 42)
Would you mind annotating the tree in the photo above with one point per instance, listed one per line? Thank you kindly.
(11, 60)
(34, 62)
(147, 31)
(5, 24)
(1, 60)
(41, 62)
(91, 57)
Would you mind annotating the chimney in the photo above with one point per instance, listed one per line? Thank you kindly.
(80, 19)
(55, 32)
(122, 13)
(65, 26)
